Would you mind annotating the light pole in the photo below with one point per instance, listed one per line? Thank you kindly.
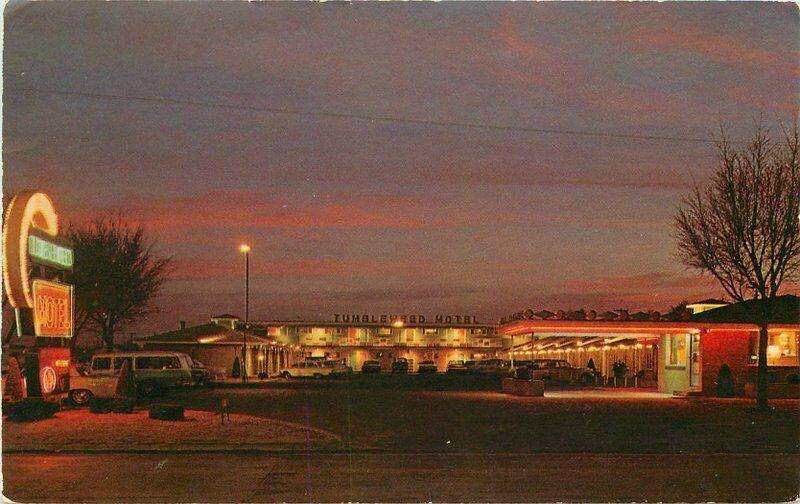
(245, 248)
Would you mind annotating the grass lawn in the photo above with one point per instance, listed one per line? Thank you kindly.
(466, 413)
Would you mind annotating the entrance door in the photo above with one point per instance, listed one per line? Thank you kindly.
(694, 379)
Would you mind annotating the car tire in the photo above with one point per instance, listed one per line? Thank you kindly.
(317, 376)
(80, 397)
(147, 388)
(286, 375)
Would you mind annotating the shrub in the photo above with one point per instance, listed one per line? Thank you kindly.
(100, 405)
(237, 369)
(13, 388)
(31, 410)
(725, 387)
(169, 412)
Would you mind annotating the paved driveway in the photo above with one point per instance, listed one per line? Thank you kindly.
(399, 478)
(455, 413)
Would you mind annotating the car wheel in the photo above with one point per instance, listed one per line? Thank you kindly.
(317, 376)
(286, 374)
(148, 389)
(80, 397)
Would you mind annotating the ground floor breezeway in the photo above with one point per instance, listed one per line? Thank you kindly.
(441, 356)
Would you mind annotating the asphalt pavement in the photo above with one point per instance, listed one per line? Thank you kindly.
(386, 477)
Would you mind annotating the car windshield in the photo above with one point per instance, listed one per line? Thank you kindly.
(469, 363)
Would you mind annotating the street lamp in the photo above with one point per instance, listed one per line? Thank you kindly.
(245, 249)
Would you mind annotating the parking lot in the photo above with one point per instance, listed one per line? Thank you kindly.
(451, 413)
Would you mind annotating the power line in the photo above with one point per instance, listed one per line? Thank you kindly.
(361, 117)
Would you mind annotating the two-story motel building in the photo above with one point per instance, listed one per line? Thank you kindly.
(385, 338)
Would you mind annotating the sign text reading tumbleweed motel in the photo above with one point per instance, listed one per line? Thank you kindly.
(405, 319)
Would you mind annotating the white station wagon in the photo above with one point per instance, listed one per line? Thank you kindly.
(152, 371)
(307, 369)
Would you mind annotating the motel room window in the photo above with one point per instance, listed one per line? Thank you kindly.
(385, 330)
(676, 350)
(781, 349)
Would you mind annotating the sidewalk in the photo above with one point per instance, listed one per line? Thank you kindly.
(82, 431)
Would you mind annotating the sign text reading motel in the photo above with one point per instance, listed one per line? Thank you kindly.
(405, 319)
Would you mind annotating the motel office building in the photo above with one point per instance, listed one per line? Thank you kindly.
(678, 357)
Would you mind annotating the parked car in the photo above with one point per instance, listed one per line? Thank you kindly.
(496, 367)
(427, 366)
(152, 372)
(555, 370)
(400, 365)
(307, 369)
(202, 375)
(456, 367)
(337, 367)
(371, 366)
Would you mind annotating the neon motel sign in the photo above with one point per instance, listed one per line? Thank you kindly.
(30, 231)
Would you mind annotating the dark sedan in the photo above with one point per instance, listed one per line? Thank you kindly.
(371, 366)
(427, 366)
(400, 365)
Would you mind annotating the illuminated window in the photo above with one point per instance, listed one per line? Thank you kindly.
(384, 330)
(431, 330)
(781, 349)
(676, 350)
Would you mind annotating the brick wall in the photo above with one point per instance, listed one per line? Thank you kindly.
(731, 347)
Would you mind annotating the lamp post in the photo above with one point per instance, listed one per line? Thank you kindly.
(245, 248)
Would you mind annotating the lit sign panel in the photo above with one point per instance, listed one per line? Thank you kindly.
(403, 319)
(53, 370)
(26, 211)
(52, 310)
(49, 253)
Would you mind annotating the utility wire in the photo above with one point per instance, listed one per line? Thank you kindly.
(361, 117)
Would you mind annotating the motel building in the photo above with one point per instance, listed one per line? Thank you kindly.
(222, 341)
(681, 357)
(386, 338)
(277, 344)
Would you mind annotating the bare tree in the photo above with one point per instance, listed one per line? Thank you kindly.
(743, 227)
(116, 276)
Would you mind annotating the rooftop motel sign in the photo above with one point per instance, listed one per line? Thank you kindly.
(405, 319)
(30, 235)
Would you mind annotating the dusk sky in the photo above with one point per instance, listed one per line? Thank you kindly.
(175, 116)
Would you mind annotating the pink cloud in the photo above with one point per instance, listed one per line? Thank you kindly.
(246, 210)
(200, 269)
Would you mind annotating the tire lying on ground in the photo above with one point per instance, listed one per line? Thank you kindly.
(169, 412)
